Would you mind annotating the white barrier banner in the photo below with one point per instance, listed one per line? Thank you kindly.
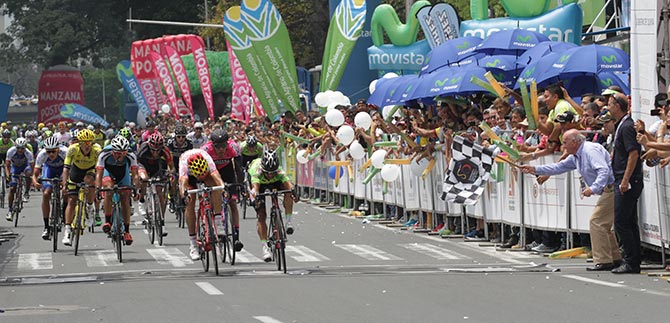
(510, 195)
(546, 205)
(491, 199)
(426, 193)
(398, 188)
(649, 213)
(581, 207)
(664, 200)
(377, 194)
(359, 188)
(410, 189)
(438, 183)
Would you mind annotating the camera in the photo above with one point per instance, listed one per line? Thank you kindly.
(655, 112)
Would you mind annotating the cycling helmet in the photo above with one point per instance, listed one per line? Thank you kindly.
(156, 141)
(48, 133)
(151, 123)
(20, 142)
(252, 141)
(6, 133)
(51, 143)
(40, 125)
(197, 165)
(218, 136)
(90, 127)
(120, 143)
(180, 130)
(74, 134)
(86, 135)
(270, 161)
(32, 133)
(124, 132)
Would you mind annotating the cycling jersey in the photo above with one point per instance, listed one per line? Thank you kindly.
(20, 160)
(75, 157)
(5, 144)
(99, 139)
(183, 161)
(44, 160)
(64, 138)
(197, 142)
(177, 150)
(221, 161)
(117, 170)
(258, 177)
(146, 134)
(150, 163)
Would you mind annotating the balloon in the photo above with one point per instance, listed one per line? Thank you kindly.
(345, 100)
(387, 110)
(363, 120)
(332, 170)
(379, 132)
(390, 75)
(332, 105)
(334, 118)
(330, 97)
(373, 86)
(378, 158)
(418, 168)
(320, 99)
(165, 108)
(345, 135)
(301, 156)
(356, 150)
(390, 172)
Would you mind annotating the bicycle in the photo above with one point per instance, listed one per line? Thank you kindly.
(227, 244)
(55, 216)
(276, 231)
(3, 183)
(244, 194)
(79, 222)
(206, 235)
(176, 205)
(154, 217)
(118, 228)
(18, 197)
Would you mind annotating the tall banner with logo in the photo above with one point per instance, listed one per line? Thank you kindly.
(439, 23)
(163, 73)
(268, 34)
(198, 47)
(243, 94)
(345, 28)
(57, 86)
(179, 73)
(81, 113)
(5, 95)
(124, 72)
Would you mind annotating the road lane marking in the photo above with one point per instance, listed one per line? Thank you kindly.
(35, 261)
(267, 319)
(209, 288)
(433, 251)
(170, 256)
(304, 254)
(593, 281)
(102, 258)
(367, 252)
(246, 257)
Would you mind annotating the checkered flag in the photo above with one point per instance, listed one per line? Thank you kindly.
(469, 169)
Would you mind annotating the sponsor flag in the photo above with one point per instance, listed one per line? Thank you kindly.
(126, 76)
(242, 93)
(198, 48)
(180, 74)
(272, 46)
(469, 170)
(57, 86)
(79, 112)
(430, 28)
(5, 95)
(447, 20)
(163, 73)
(345, 28)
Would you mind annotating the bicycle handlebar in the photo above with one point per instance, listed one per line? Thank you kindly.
(274, 192)
(207, 189)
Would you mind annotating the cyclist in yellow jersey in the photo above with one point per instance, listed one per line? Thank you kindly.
(79, 167)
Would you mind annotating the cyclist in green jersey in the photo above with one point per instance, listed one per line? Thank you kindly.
(250, 150)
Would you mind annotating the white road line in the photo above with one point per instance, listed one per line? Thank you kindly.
(304, 254)
(209, 288)
(367, 252)
(433, 251)
(246, 257)
(102, 258)
(170, 256)
(267, 319)
(593, 281)
(35, 261)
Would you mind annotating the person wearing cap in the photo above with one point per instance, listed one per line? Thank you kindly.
(565, 121)
(80, 125)
(197, 137)
(606, 121)
(151, 129)
(628, 184)
(592, 162)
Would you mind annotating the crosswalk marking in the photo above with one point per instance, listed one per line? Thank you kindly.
(209, 288)
(267, 319)
(304, 254)
(433, 251)
(35, 261)
(367, 252)
(170, 256)
(246, 257)
(102, 258)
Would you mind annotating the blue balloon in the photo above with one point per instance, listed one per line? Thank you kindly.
(332, 170)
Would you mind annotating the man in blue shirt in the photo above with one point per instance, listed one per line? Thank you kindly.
(592, 161)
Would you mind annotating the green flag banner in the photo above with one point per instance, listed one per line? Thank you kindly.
(345, 28)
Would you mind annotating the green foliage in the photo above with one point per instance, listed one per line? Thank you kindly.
(93, 91)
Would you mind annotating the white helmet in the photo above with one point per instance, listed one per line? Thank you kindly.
(20, 142)
(90, 127)
(120, 143)
(51, 143)
(198, 125)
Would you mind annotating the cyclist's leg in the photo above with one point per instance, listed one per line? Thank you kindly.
(143, 188)
(107, 182)
(28, 171)
(288, 206)
(89, 179)
(190, 220)
(125, 206)
(47, 188)
(261, 223)
(12, 187)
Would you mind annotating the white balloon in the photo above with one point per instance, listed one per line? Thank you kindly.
(387, 110)
(390, 172)
(356, 150)
(165, 108)
(363, 120)
(390, 75)
(346, 100)
(379, 132)
(332, 105)
(418, 168)
(334, 118)
(378, 158)
(345, 135)
(373, 86)
(320, 99)
(301, 156)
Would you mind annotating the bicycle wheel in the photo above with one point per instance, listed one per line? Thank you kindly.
(18, 203)
(224, 243)
(282, 242)
(2, 192)
(117, 232)
(55, 222)
(149, 223)
(77, 226)
(158, 221)
(204, 256)
(272, 240)
(230, 234)
(213, 240)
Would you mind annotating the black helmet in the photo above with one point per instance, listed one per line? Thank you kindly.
(218, 136)
(251, 141)
(270, 161)
(6, 133)
(180, 130)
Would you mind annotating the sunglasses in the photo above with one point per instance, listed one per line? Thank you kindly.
(219, 146)
(52, 151)
(180, 136)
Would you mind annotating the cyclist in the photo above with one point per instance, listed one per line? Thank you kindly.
(151, 129)
(177, 146)
(99, 135)
(19, 161)
(48, 164)
(196, 136)
(79, 167)
(126, 133)
(195, 166)
(266, 174)
(63, 135)
(225, 154)
(153, 158)
(116, 165)
(5, 144)
(250, 150)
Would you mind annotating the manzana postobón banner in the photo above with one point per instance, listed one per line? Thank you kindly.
(124, 72)
(163, 73)
(270, 40)
(198, 47)
(243, 95)
(179, 73)
(250, 62)
(79, 112)
(345, 28)
(57, 86)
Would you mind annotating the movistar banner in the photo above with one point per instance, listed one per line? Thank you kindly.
(561, 24)
(407, 58)
(125, 74)
(79, 112)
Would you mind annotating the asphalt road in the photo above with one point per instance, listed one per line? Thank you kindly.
(340, 270)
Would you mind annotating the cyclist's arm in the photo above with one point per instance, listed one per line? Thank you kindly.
(183, 185)
(218, 181)
(99, 171)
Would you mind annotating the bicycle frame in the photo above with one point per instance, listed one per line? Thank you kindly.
(276, 232)
(79, 222)
(18, 197)
(155, 215)
(55, 215)
(118, 227)
(206, 233)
